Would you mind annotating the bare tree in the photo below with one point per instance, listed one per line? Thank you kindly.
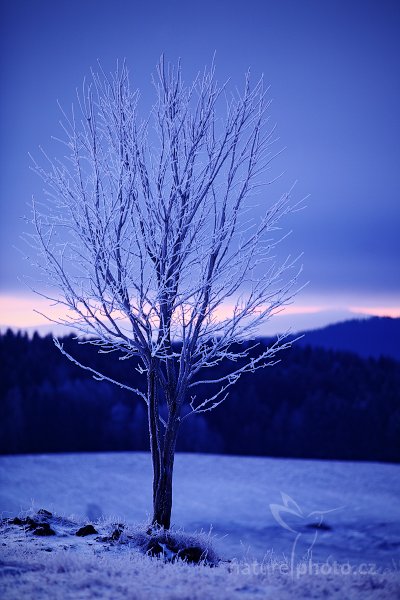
(148, 237)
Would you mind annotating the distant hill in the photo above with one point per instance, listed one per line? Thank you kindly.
(374, 337)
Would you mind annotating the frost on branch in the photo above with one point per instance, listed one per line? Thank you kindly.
(150, 238)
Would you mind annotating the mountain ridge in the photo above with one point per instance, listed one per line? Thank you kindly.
(368, 337)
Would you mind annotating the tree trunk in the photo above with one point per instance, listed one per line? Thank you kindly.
(154, 429)
(162, 499)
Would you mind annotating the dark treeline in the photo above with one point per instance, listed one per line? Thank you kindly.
(314, 404)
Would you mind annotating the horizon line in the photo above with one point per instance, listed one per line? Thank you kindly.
(18, 312)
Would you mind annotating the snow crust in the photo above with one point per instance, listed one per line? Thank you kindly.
(230, 494)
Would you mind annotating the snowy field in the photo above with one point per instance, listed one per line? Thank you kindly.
(273, 511)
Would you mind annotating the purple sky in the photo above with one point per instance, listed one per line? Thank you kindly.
(334, 73)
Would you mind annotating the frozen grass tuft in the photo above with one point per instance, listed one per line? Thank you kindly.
(176, 544)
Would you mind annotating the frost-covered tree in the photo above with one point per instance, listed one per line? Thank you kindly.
(150, 238)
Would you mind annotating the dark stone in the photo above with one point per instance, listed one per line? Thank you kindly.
(86, 530)
(116, 534)
(44, 529)
(320, 526)
(16, 521)
(192, 554)
(44, 513)
(154, 548)
(31, 523)
(168, 549)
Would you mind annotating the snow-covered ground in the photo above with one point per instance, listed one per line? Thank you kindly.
(231, 494)
(340, 512)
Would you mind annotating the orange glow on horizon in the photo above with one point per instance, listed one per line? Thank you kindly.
(377, 311)
(19, 311)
